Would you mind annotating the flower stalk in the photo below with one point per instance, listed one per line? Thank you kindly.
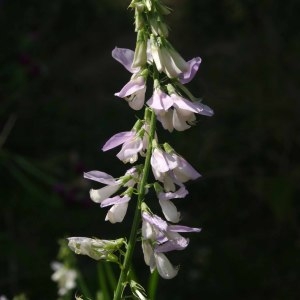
(154, 61)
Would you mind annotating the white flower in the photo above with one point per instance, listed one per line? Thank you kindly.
(65, 277)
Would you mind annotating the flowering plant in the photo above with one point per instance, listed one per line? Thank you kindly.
(154, 62)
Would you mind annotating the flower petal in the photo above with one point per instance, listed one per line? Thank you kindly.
(181, 193)
(101, 194)
(130, 150)
(160, 100)
(100, 177)
(193, 66)
(147, 251)
(172, 245)
(165, 269)
(131, 87)
(125, 57)
(181, 228)
(170, 211)
(118, 139)
(114, 200)
(117, 213)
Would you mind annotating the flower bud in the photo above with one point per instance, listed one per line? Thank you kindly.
(95, 248)
(140, 54)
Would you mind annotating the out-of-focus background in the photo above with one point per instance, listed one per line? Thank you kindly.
(57, 109)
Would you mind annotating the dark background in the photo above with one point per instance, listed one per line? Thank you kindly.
(58, 108)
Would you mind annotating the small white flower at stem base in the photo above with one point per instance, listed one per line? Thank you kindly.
(65, 277)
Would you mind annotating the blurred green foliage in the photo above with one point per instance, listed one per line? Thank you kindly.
(57, 109)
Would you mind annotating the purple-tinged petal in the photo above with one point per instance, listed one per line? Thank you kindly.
(118, 139)
(131, 87)
(193, 66)
(181, 228)
(125, 57)
(196, 107)
(134, 92)
(184, 170)
(180, 193)
(100, 177)
(114, 200)
(171, 245)
(160, 100)
(130, 150)
(155, 221)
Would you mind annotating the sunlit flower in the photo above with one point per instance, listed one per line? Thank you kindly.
(158, 238)
(134, 91)
(133, 142)
(168, 208)
(118, 209)
(176, 112)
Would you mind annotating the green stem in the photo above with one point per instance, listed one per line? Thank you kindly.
(137, 214)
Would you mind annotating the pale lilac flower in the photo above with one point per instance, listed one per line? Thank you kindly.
(184, 171)
(65, 277)
(118, 209)
(134, 91)
(176, 112)
(158, 238)
(131, 142)
(171, 169)
(112, 185)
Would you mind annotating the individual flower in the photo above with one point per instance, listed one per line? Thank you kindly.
(159, 238)
(64, 276)
(112, 185)
(119, 203)
(118, 209)
(171, 169)
(95, 248)
(133, 142)
(134, 91)
(174, 111)
(168, 208)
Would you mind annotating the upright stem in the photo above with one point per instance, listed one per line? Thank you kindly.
(137, 215)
